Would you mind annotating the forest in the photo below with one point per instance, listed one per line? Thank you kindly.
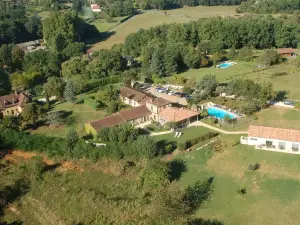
(265, 6)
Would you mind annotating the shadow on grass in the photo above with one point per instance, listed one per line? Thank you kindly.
(281, 95)
(177, 168)
(205, 222)
(197, 194)
(9, 194)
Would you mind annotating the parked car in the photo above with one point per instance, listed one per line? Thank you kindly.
(171, 92)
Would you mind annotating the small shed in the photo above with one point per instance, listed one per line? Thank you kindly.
(286, 52)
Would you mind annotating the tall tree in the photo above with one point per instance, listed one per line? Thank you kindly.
(69, 92)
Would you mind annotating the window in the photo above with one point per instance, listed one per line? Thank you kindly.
(269, 143)
(281, 145)
(295, 147)
(253, 139)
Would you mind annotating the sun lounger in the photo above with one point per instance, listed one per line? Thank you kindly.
(179, 134)
(176, 134)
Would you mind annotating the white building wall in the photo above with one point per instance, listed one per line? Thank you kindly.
(257, 141)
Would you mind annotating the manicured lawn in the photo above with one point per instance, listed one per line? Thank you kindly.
(80, 114)
(153, 18)
(188, 133)
(272, 192)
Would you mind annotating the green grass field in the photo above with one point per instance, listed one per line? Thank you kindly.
(271, 192)
(81, 113)
(153, 18)
(249, 70)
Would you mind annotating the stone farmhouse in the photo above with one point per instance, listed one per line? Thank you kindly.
(13, 104)
(273, 139)
(146, 107)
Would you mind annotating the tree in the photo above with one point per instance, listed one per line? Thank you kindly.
(107, 95)
(6, 55)
(74, 49)
(245, 54)
(17, 58)
(21, 81)
(5, 86)
(71, 139)
(59, 30)
(192, 58)
(54, 87)
(69, 92)
(208, 84)
(157, 65)
(54, 118)
(155, 175)
(30, 113)
(13, 122)
(270, 57)
(73, 67)
(232, 54)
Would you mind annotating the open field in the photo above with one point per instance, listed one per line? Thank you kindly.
(279, 117)
(153, 18)
(272, 194)
(80, 114)
(248, 70)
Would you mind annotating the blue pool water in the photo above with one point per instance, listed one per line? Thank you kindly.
(219, 113)
(225, 65)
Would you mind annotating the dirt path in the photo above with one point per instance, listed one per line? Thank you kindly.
(199, 123)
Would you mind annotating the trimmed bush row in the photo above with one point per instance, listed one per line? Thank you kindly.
(92, 103)
(188, 143)
(102, 82)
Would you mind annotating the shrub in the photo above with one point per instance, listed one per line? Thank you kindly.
(279, 74)
(182, 146)
(79, 101)
(187, 144)
(254, 167)
(168, 148)
(297, 105)
(92, 103)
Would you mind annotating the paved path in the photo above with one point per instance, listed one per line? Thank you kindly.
(161, 133)
(199, 123)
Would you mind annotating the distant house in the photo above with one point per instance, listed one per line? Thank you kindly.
(138, 98)
(96, 8)
(286, 52)
(273, 139)
(134, 116)
(31, 46)
(13, 104)
(146, 108)
(180, 116)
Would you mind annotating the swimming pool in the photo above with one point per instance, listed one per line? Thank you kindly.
(219, 113)
(225, 65)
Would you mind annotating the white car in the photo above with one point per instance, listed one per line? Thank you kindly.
(171, 93)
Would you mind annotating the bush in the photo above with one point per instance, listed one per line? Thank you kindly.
(187, 144)
(79, 101)
(182, 146)
(279, 74)
(254, 167)
(92, 103)
(297, 105)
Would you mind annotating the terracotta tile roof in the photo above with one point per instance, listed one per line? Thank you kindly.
(7, 101)
(121, 117)
(286, 50)
(160, 102)
(274, 133)
(176, 114)
(143, 97)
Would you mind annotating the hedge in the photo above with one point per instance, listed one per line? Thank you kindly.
(92, 103)
(101, 82)
(188, 143)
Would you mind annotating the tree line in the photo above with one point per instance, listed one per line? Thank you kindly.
(170, 4)
(265, 6)
(16, 26)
